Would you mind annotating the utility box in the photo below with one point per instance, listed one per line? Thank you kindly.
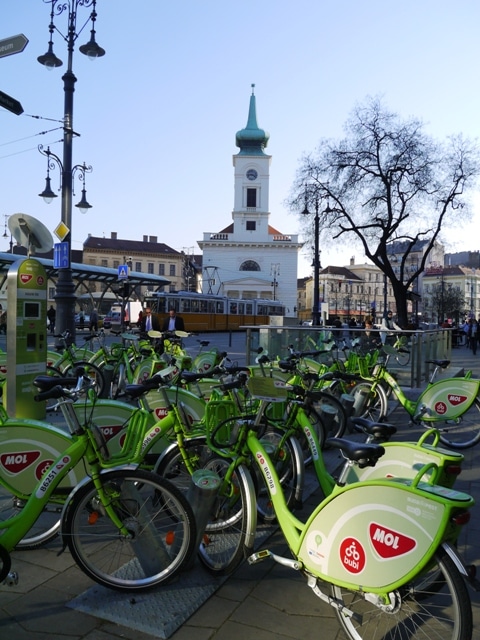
(26, 338)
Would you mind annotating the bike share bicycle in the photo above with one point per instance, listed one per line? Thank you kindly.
(126, 528)
(451, 405)
(380, 552)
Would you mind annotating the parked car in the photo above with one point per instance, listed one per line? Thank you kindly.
(112, 320)
(86, 320)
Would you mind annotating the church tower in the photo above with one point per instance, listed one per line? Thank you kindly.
(249, 258)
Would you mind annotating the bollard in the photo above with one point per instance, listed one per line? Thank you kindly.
(328, 415)
(201, 495)
(348, 403)
(361, 398)
(107, 371)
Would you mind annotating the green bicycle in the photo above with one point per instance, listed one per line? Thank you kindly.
(380, 552)
(126, 528)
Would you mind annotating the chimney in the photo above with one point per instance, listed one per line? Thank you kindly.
(145, 238)
(153, 239)
(352, 261)
(113, 235)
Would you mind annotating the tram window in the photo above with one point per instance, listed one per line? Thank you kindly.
(241, 308)
(185, 305)
(194, 306)
(220, 307)
(261, 310)
(249, 309)
(203, 306)
(233, 307)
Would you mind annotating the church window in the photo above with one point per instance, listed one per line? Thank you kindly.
(250, 265)
(251, 225)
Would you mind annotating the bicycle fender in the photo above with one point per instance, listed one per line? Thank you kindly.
(457, 560)
(447, 399)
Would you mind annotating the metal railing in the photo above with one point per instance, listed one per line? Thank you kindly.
(423, 346)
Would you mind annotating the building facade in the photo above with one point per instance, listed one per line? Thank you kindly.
(143, 256)
(249, 258)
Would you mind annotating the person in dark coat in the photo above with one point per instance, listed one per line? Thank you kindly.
(173, 322)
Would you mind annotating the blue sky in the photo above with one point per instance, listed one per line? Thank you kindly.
(157, 115)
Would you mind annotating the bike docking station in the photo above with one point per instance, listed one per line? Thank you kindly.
(27, 326)
(201, 495)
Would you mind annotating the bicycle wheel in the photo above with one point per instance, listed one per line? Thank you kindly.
(160, 523)
(328, 405)
(403, 356)
(317, 425)
(92, 371)
(369, 402)
(461, 433)
(286, 455)
(230, 533)
(46, 527)
(430, 607)
(232, 520)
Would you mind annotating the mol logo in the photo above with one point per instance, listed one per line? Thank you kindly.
(388, 543)
(455, 400)
(110, 431)
(25, 278)
(161, 412)
(15, 463)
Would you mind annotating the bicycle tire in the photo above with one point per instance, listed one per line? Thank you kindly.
(436, 604)
(230, 534)
(403, 357)
(46, 527)
(286, 456)
(317, 425)
(369, 402)
(230, 530)
(462, 434)
(337, 427)
(92, 371)
(161, 525)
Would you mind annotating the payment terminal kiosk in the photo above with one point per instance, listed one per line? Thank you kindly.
(26, 337)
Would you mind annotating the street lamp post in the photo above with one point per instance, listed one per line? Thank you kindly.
(316, 260)
(65, 289)
(275, 271)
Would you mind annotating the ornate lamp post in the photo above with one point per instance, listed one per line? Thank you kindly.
(65, 290)
(316, 259)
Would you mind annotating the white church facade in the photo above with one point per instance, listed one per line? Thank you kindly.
(249, 258)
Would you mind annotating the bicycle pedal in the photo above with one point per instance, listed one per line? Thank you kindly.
(259, 556)
(286, 562)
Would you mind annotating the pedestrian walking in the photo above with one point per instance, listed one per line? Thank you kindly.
(51, 315)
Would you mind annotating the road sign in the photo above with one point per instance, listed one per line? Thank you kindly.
(123, 271)
(14, 44)
(61, 231)
(10, 103)
(61, 255)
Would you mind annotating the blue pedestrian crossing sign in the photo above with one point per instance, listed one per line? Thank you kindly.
(123, 271)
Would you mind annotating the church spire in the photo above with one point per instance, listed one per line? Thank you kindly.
(252, 140)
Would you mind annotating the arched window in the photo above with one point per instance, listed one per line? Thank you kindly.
(250, 265)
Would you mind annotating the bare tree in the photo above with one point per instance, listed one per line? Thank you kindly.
(387, 182)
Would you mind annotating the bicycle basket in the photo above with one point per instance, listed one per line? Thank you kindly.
(267, 389)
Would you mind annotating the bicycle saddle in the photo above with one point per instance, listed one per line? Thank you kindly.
(379, 430)
(365, 455)
(443, 364)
